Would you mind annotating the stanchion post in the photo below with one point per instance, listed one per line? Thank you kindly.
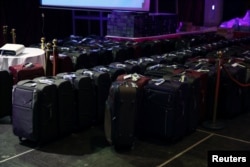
(215, 124)
(5, 36)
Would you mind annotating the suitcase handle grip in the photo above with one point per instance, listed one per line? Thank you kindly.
(28, 65)
(88, 73)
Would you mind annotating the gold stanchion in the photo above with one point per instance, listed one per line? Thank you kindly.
(55, 57)
(215, 124)
(43, 43)
(13, 33)
(5, 36)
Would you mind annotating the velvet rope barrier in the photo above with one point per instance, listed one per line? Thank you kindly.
(234, 80)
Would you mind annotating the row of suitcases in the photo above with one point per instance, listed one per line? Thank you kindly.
(87, 52)
(169, 102)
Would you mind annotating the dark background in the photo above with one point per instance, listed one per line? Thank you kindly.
(26, 17)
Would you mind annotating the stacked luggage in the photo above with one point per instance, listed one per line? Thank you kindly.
(133, 89)
(6, 83)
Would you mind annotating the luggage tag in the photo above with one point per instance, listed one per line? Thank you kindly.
(132, 62)
(155, 67)
(159, 81)
(129, 84)
(202, 70)
(168, 55)
(134, 77)
(174, 66)
(238, 64)
(69, 77)
(102, 69)
(119, 65)
(141, 60)
(183, 78)
(88, 73)
(46, 81)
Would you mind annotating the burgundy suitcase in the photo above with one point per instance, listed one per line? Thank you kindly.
(26, 71)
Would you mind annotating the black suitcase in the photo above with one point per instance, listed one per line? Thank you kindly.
(101, 81)
(193, 98)
(65, 103)
(164, 110)
(120, 114)
(6, 82)
(159, 70)
(128, 67)
(181, 74)
(122, 52)
(34, 111)
(113, 71)
(88, 58)
(142, 62)
(84, 93)
(230, 93)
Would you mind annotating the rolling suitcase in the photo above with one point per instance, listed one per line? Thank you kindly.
(142, 62)
(231, 94)
(34, 111)
(129, 68)
(120, 114)
(194, 95)
(113, 71)
(65, 103)
(84, 93)
(140, 81)
(88, 58)
(6, 82)
(102, 82)
(26, 71)
(164, 110)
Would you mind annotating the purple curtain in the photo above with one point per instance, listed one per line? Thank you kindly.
(191, 11)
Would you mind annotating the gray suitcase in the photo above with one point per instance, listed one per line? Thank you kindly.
(34, 114)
